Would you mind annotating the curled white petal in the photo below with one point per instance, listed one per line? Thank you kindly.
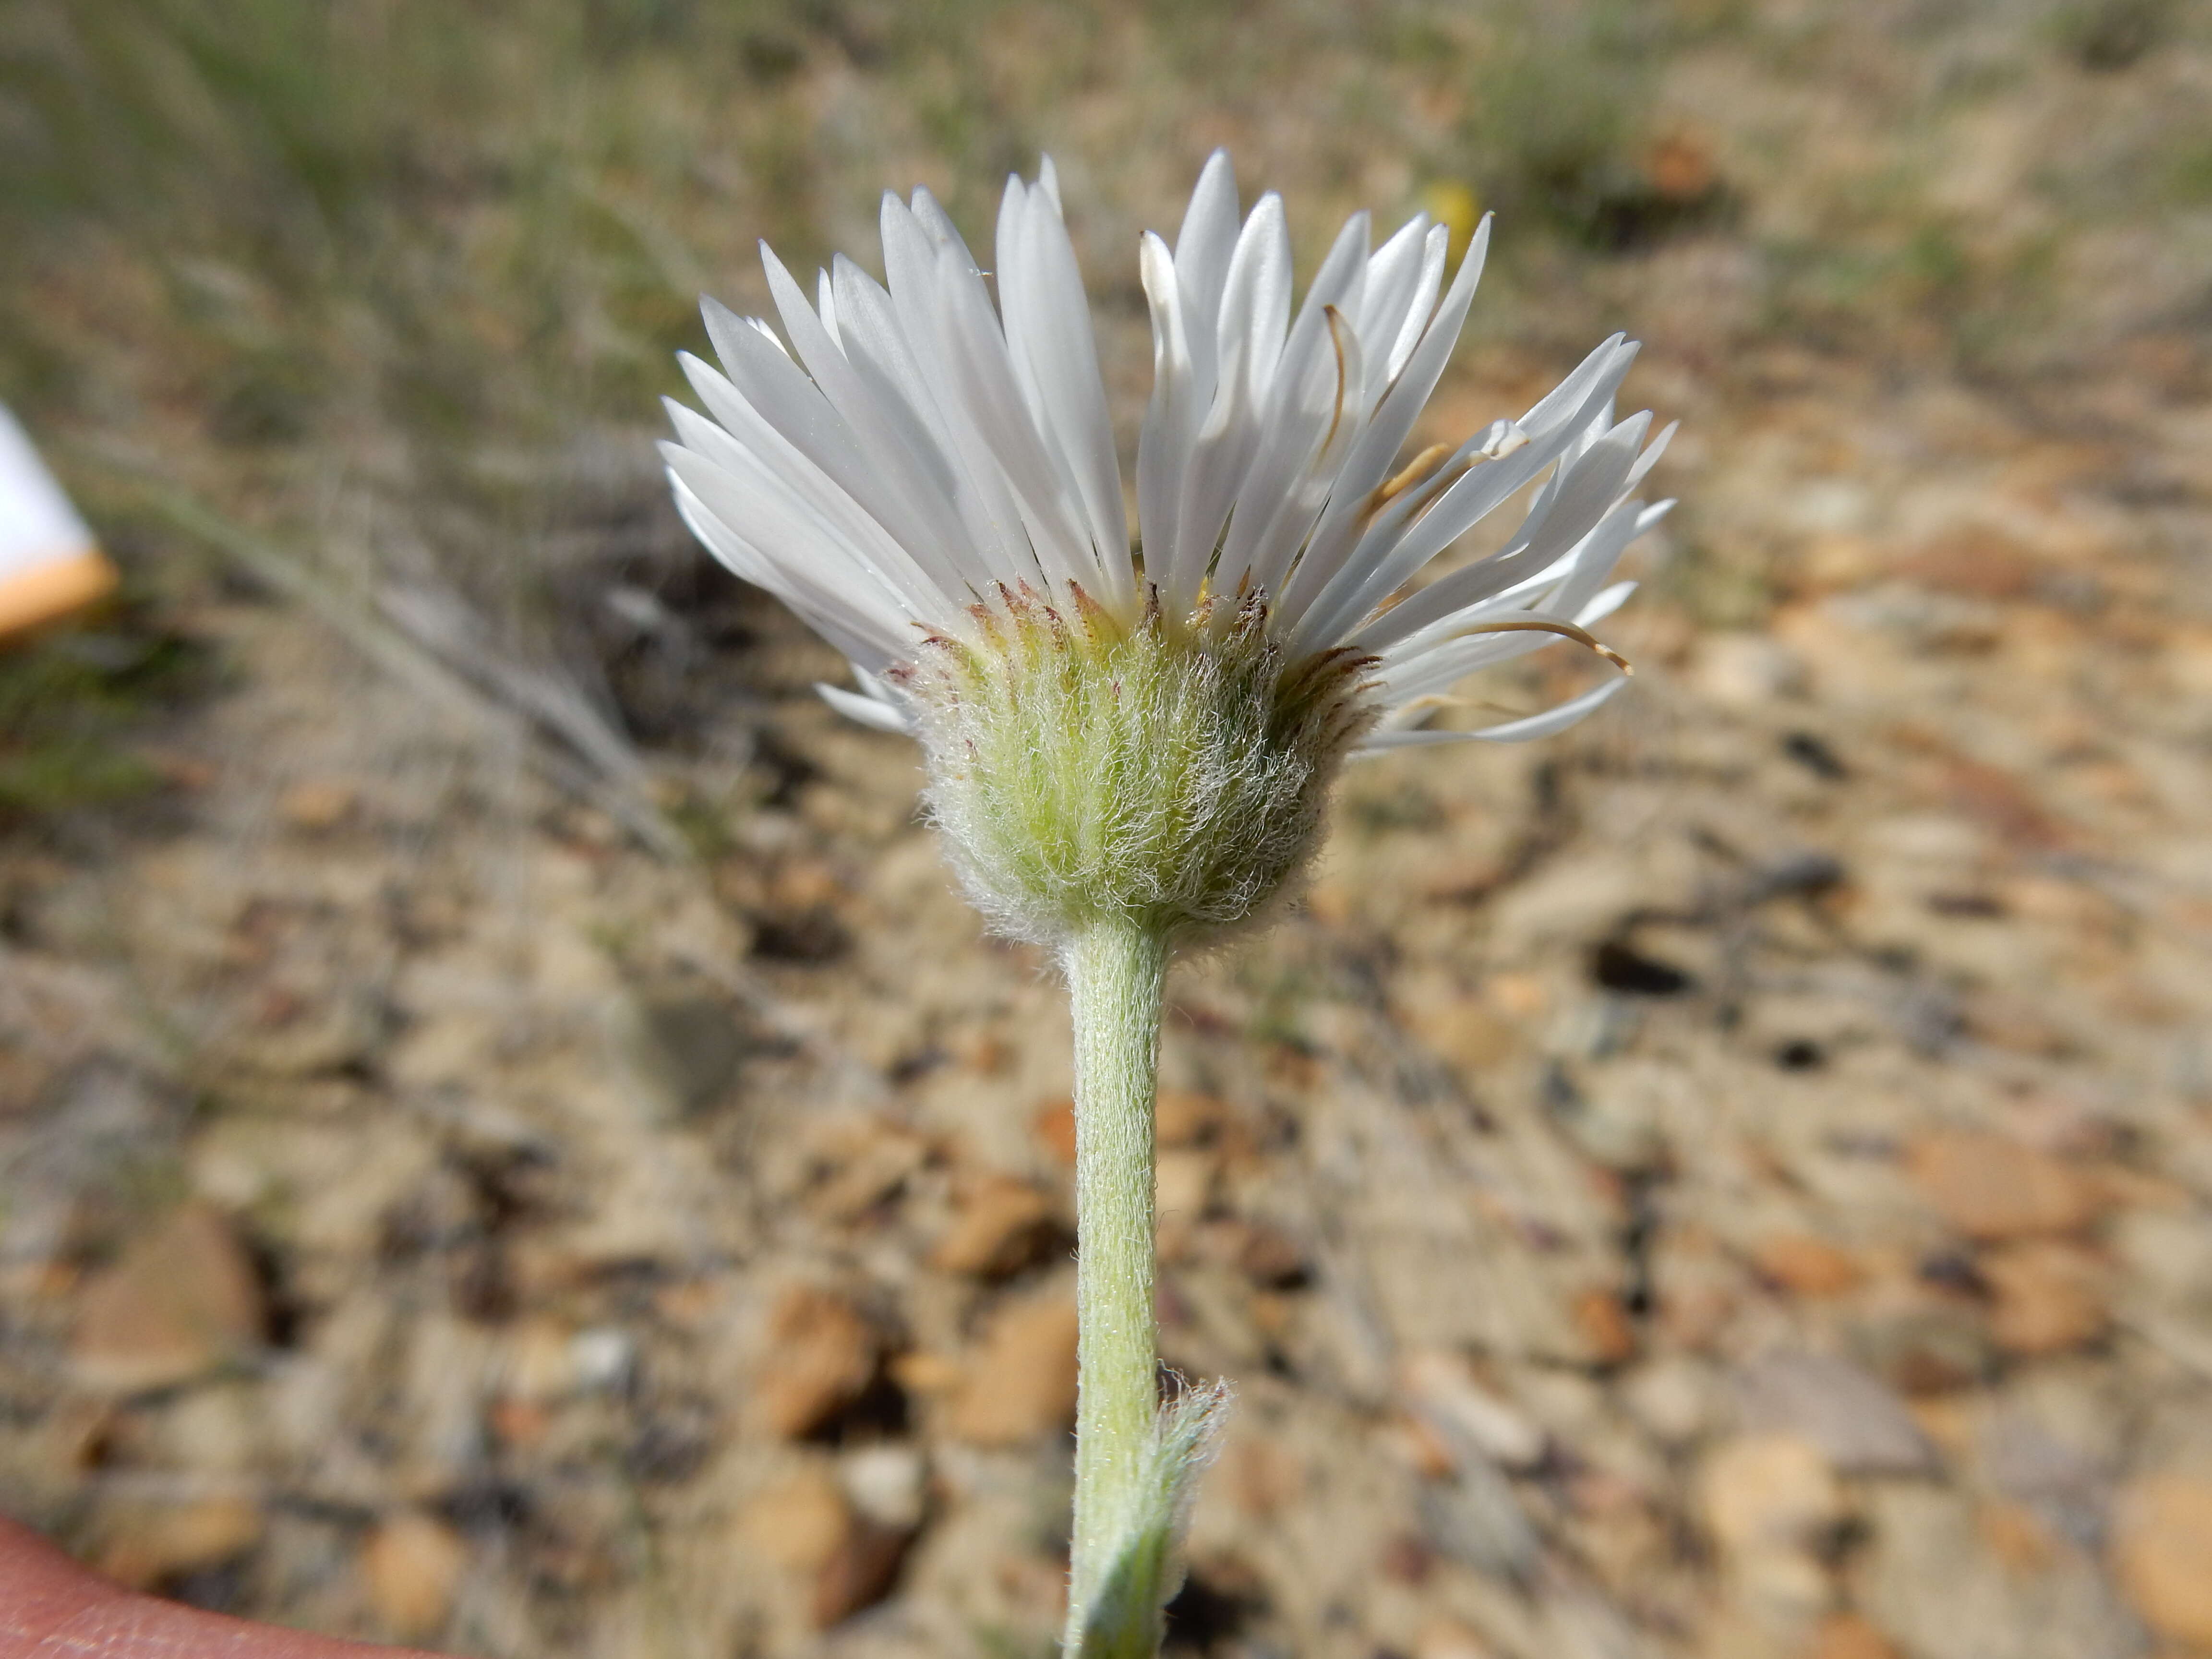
(1549, 723)
(871, 711)
(909, 447)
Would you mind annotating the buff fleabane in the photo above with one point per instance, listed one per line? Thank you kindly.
(1128, 753)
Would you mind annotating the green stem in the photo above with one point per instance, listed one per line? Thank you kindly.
(1115, 974)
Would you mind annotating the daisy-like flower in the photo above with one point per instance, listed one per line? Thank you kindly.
(1127, 752)
(931, 483)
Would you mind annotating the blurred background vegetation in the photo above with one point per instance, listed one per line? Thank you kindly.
(397, 282)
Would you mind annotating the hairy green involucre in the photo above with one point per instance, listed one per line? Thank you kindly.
(1169, 774)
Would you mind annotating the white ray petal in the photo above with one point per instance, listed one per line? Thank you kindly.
(1375, 570)
(1481, 477)
(1163, 444)
(1256, 309)
(869, 379)
(897, 397)
(1394, 279)
(867, 636)
(1304, 404)
(937, 225)
(1369, 465)
(1547, 724)
(1652, 452)
(1605, 605)
(1591, 486)
(1048, 328)
(1593, 563)
(927, 327)
(782, 486)
(1447, 651)
(1207, 239)
(1572, 393)
(990, 404)
(1335, 423)
(1255, 301)
(915, 443)
(1427, 284)
(771, 389)
(866, 710)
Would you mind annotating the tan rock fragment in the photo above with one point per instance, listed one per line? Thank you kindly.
(1748, 671)
(806, 1528)
(1185, 1117)
(2188, 660)
(317, 804)
(1847, 1636)
(887, 1484)
(1448, 1638)
(2161, 1553)
(1927, 1346)
(412, 1565)
(518, 1423)
(1855, 1421)
(1988, 1187)
(1423, 1447)
(923, 1372)
(147, 1544)
(1974, 562)
(1680, 167)
(1445, 1391)
(997, 1230)
(987, 1053)
(1263, 1476)
(2017, 1536)
(2050, 1297)
(1768, 1491)
(536, 1363)
(1806, 1265)
(1055, 1128)
(1183, 1182)
(1674, 1399)
(1603, 1320)
(819, 1355)
(1020, 1386)
(796, 1523)
(182, 1299)
(1330, 900)
(1458, 1027)
(1268, 1255)
(1771, 1503)
(864, 1164)
(860, 1572)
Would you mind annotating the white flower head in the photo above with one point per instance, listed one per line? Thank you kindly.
(930, 481)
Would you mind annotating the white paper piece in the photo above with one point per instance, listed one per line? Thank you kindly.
(37, 525)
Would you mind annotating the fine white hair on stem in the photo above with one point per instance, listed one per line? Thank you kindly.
(1138, 1572)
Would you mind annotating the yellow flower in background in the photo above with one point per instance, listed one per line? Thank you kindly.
(1455, 207)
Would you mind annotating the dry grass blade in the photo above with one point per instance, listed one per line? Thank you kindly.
(423, 641)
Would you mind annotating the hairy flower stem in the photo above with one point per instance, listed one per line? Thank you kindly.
(1116, 969)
